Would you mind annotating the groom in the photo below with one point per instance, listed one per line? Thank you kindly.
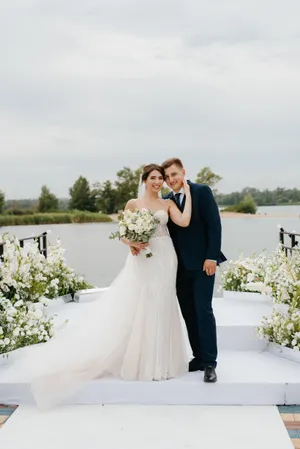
(198, 249)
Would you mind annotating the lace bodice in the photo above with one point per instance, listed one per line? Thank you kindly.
(162, 229)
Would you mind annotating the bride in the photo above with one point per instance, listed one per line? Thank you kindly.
(134, 331)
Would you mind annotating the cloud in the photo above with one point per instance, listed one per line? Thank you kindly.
(90, 88)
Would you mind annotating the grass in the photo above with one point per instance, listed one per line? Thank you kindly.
(53, 218)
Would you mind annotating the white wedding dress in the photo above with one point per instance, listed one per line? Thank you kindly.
(133, 332)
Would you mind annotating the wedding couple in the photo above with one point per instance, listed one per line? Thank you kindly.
(134, 331)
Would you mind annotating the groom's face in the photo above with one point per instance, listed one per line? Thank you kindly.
(174, 177)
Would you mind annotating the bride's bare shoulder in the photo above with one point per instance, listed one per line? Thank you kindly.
(131, 204)
(165, 202)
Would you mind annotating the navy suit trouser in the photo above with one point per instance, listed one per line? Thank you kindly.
(195, 293)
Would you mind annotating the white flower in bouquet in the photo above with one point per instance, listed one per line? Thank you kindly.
(137, 226)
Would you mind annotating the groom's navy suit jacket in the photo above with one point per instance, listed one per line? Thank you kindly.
(201, 240)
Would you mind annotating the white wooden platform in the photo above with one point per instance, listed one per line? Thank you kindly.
(139, 427)
(247, 375)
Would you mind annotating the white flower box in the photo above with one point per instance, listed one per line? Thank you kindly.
(248, 296)
(65, 298)
(284, 352)
(86, 295)
(90, 294)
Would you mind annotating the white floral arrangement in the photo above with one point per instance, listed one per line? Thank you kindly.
(246, 275)
(137, 226)
(273, 275)
(282, 328)
(22, 325)
(282, 275)
(28, 275)
(28, 280)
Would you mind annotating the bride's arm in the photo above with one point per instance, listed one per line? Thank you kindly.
(182, 218)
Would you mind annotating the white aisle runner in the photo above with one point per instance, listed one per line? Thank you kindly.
(146, 427)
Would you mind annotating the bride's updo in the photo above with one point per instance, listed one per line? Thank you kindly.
(150, 168)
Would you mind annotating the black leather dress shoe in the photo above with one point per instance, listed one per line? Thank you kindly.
(210, 375)
(195, 365)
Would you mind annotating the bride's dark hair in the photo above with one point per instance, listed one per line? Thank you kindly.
(151, 167)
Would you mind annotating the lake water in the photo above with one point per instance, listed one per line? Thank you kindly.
(90, 252)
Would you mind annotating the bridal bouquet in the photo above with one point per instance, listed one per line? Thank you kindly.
(137, 226)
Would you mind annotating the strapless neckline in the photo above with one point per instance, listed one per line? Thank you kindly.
(159, 210)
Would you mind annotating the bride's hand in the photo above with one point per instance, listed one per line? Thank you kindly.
(134, 251)
(139, 245)
(186, 187)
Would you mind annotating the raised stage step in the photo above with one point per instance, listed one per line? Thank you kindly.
(244, 378)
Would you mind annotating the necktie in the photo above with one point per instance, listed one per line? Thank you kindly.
(177, 199)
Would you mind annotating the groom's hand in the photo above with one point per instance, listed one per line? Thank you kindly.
(210, 267)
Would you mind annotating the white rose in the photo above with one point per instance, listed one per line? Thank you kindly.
(122, 231)
(1, 331)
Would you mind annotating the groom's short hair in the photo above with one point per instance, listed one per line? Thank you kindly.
(172, 161)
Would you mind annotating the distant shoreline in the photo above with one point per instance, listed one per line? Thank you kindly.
(261, 215)
(53, 218)
(76, 218)
(114, 217)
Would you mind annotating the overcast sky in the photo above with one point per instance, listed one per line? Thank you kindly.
(87, 87)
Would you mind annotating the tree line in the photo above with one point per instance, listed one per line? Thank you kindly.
(266, 197)
(109, 197)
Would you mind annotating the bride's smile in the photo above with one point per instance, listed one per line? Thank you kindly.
(154, 182)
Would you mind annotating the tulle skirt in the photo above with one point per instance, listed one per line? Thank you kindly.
(133, 332)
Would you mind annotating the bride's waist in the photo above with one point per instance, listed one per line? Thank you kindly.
(161, 232)
(167, 237)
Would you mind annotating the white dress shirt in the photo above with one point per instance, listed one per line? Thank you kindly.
(181, 191)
